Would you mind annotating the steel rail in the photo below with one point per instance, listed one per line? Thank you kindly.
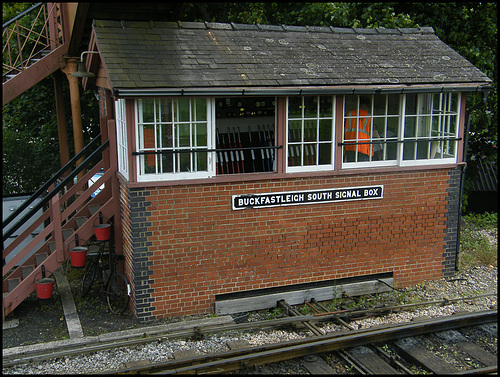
(153, 336)
(245, 358)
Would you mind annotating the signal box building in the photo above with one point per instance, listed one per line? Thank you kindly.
(256, 160)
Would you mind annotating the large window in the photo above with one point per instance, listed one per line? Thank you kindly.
(310, 135)
(184, 138)
(174, 136)
(403, 130)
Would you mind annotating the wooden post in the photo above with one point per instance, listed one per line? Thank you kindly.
(61, 119)
(55, 217)
(76, 112)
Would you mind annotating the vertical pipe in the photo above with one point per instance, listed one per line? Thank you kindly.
(76, 112)
(61, 119)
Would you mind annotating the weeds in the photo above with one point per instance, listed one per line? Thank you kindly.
(476, 248)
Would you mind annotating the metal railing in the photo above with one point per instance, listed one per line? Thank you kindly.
(29, 34)
(57, 179)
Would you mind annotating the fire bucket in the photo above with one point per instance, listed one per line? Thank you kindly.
(44, 288)
(102, 232)
(44, 285)
(78, 255)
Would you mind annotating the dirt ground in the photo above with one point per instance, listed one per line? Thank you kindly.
(43, 320)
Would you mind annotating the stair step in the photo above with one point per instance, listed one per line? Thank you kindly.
(26, 270)
(67, 233)
(12, 283)
(39, 258)
(94, 208)
(80, 221)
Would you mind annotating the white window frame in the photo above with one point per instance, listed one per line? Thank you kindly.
(424, 104)
(159, 176)
(315, 167)
(424, 112)
(121, 137)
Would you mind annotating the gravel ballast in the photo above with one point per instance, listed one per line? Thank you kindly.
(473, 282)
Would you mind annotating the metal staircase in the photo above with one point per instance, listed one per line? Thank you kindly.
(34, 43)
(69, 210)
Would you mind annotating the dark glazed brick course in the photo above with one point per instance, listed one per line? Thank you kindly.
(452, 209)
(140, 254)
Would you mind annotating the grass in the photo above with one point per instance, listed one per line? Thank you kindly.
(475, 247)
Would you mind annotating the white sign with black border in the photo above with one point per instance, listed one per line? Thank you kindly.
(290, 198)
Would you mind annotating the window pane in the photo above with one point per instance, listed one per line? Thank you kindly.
(410, 130)
(201, 161)
(148, 136)
(325, 129)
(294, 155)
(166, 136)
(311, 107)
(294, 107)
(379, 105)
(310, 130)
(325, 154)
(147, 110)
(200, 130)
(378, 127)
(454, 102)
(351, 103)
(182, 110)
(184, 162)
(148, 164)
(393, 104)
(165, 114)
(325, 106)
(295, 130)
(392, 127)
(167, 162)
(391, 151)
(182, 132)
(200, 110)
(309, 154)
(411, 104)
(408, 151)
(422, 150)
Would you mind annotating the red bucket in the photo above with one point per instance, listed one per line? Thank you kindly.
(102, 232)
(44, 288)
(78, 255)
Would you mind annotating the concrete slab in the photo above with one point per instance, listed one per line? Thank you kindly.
(68, 303)
(296, 297)
(13, 323)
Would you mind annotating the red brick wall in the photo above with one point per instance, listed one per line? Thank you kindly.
(190, 245)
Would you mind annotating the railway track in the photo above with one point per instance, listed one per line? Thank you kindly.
(351, 347)
(249, 357)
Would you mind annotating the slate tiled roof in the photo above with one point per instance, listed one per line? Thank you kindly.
(221, 55)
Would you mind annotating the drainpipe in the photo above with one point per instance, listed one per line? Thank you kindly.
(462, 178)
(76, 111)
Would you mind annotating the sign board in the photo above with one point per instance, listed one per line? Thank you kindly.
(290, 198)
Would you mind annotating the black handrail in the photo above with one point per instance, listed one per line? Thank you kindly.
(203, 149)
(20, 15)
(52, 180)
(415, 139)
(56, 190)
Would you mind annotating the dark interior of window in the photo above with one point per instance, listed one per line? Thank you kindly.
(245, 135)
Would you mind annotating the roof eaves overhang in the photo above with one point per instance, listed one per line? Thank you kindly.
(295, 91)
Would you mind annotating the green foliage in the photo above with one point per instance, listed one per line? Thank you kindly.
(475, 247)
(487, 220)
